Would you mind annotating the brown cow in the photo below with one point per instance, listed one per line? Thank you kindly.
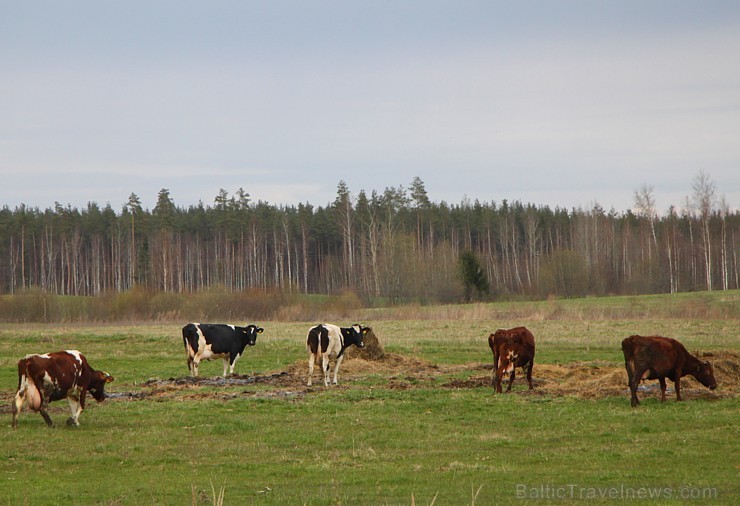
(511, 348)
(655, 357)
(54, 376)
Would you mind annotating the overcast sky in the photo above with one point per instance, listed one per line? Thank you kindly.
(559, 103)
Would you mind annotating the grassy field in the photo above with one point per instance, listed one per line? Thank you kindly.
(421, 427)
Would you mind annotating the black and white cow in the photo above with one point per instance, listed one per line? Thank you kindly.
(326, 339)
(208, 341)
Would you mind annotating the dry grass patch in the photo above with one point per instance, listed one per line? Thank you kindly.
(585, 380)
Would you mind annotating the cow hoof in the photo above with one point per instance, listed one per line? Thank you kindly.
(71, 422)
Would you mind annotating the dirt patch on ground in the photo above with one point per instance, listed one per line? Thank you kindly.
(281, 385)
(390, 364)
(587, 380)
(580, 379)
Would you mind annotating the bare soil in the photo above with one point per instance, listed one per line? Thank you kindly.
(586, 380)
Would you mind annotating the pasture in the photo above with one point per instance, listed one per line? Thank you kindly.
(420, 426)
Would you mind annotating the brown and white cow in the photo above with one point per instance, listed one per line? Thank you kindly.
(655, 357)
(55, 376)
(325, 339)
(511, 348)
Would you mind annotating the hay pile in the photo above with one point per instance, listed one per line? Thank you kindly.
(598, 379)
(373, 349)
(581, 379)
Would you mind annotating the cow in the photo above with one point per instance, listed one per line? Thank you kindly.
(326, 339)
(656, 357)
(511, 348)
(55, 376)
(209, 341)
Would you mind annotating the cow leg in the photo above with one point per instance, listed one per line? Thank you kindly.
(228, 367)
(499, 370)
(677, 382)
(511, 379)
(325, 368)
(76, 407)
(634, 383)
(311, 360)
(336, 368)
(232, 363)
(498, 379)
(195, 363)
(662, 389)
(20, 398)
(45, 414)
(494, 377)
(529, 376)
(629, 366)
(190, 365)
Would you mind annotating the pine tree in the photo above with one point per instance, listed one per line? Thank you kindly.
(473, 277)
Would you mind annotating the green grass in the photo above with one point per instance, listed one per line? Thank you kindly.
(362, 442)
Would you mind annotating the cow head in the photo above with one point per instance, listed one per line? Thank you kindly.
(250, 334)
(704, 373)
(355, 335)
(97, 385)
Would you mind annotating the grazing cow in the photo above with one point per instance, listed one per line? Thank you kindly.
(511, 348)
(655, 357)
(55, 376)
(326, 339)
(207, 341)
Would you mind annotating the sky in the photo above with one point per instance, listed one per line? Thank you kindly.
(560, 103)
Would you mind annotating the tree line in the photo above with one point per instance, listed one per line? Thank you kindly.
(396, 245)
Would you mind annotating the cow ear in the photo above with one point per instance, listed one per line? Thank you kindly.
(108, 377)
(260, 330)
(365, 330)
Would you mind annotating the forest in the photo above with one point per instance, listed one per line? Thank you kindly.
(395, 245)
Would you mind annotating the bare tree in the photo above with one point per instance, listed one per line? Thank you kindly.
(343, 205)
(645, 206)
(724, 211)
(704, 190)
